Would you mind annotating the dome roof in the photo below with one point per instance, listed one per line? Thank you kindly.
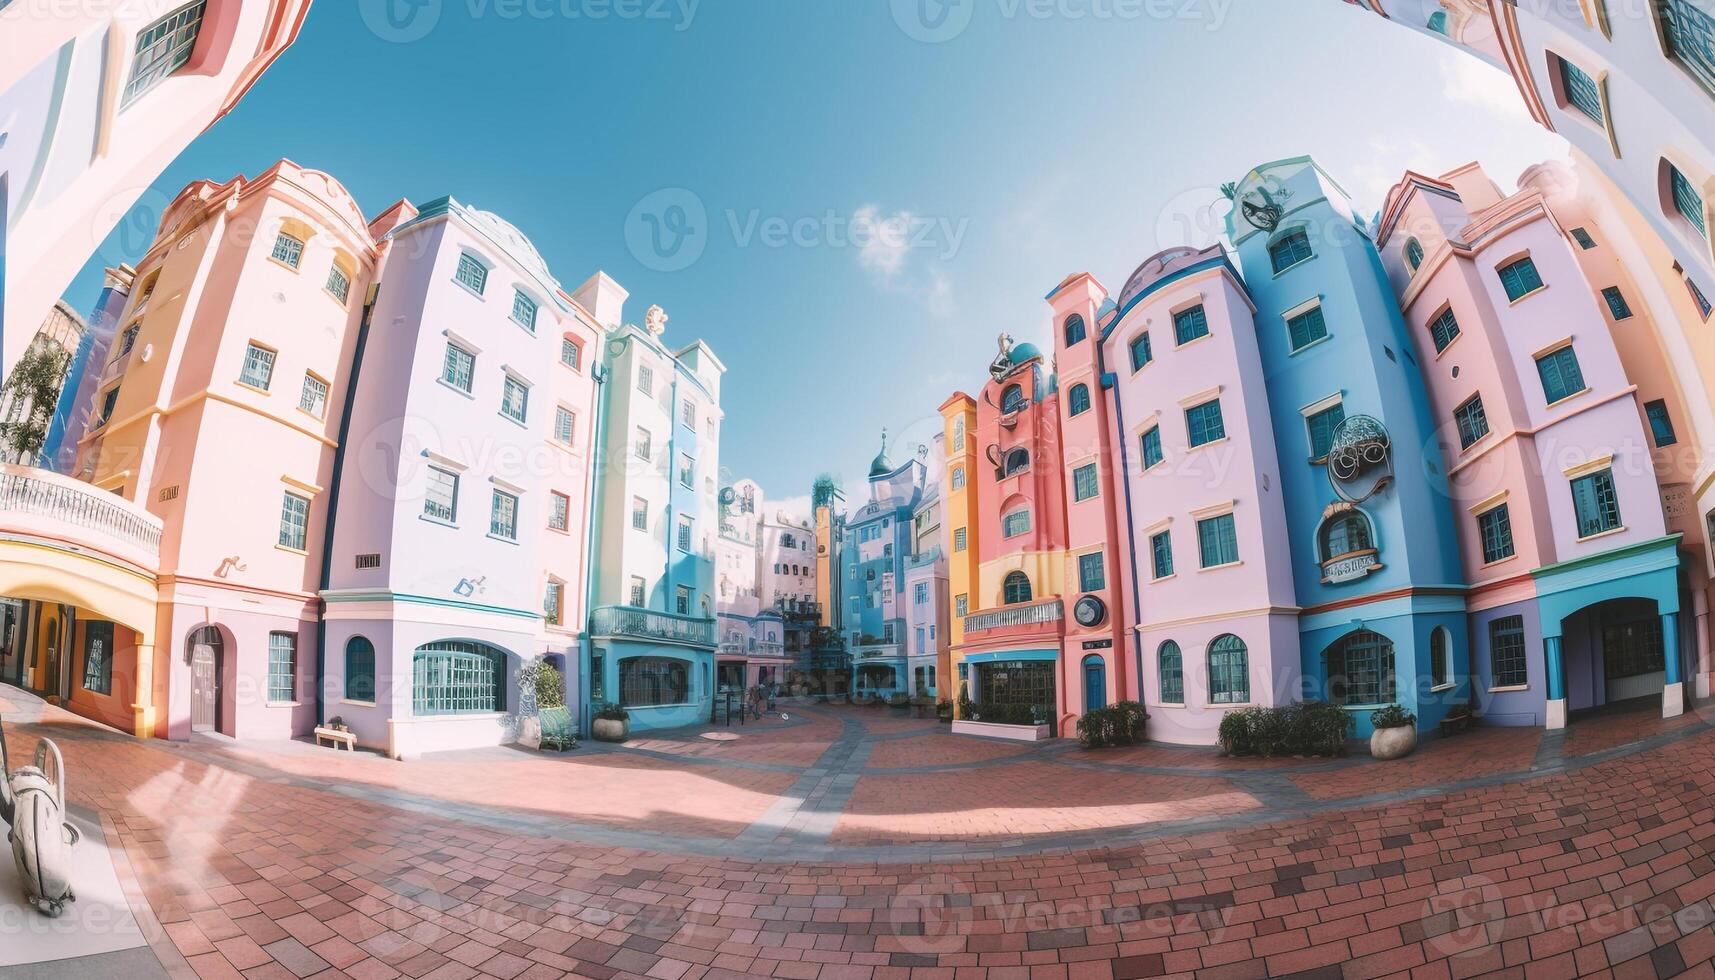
(1024, 352)
(1161, 265)
(520, 245)
(881, 466)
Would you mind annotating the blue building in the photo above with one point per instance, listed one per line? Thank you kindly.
(1375, 558)
(875, 539)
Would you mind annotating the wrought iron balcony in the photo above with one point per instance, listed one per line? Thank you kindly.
(630, 622)
(760, 648)
(1047, 611)
(58, 507)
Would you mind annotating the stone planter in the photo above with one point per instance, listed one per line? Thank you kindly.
(530, 731)
(989, 729)
(611, 729)
(1393, 743)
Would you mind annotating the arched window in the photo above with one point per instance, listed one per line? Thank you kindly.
(1440, 656)
(1012, 399)
(1438, 23)
(1017, 461)
(456, 677)
(1345, 533)
(1413, 254)
(1360, 669)
(1015, 523)
(1078, 399)
(1171, 667)
(1015, 588)
(1074, 329)
(359, 669)
(1229, 671)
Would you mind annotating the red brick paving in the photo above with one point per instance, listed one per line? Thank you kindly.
(1606, 731)
(1478, 752)
(935, 750)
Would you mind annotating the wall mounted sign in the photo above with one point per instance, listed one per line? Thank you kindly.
(1360, 459)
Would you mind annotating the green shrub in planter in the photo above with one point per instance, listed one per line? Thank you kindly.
(612, 712)
(1307, 728)
(1116, 724)
(1393, 716)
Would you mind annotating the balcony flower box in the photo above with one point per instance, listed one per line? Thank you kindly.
(1017, 733)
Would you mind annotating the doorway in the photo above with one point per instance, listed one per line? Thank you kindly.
(207, 657)
(1095, 683)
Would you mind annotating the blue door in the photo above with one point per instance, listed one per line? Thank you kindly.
(1095, 683)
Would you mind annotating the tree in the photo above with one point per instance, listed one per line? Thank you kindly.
(32, 390)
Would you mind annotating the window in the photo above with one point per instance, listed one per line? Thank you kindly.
(645, 379)
(1440, 656)
(687, 470)
(1074, 329)
(1015, 588)
(1582, 237)
(1686, 200)
(646, 681)
(1170, 666)
(1595, 503)
(107, 402)
(1471, 420)
(688, 413)
(1217, 541)
(1012, 399)
(339, 284)
(1495, 528)
(1660, 425)
(636, 596)
(553, 596)
(294, 521)
(440, 498)
(1229, 671)
(1188, 325)
(314, 398)
(1632, 649)
(564, 421)
(1520, 278)
(686, 532)
(1140, 351)
(1413, 254)
(1091, 577)
(1617, 303)
(682, 600)
(1161, 554)
(472, 273)
(503, 516)
(571, 355)
(1306, 328)
(1015, 523)
(1444, 330)
(961, 606)
(458, 368)
(282, 667)
(1078, 400)
(163, 48)
(958, 478)
(1438, 23)
(1203, 423)
(1151, 441)
(1345, 533)
(640, 446)
(1688, 34)
(959, 433)
(559, 511)
(959, 538)
(1506, 652)
(128, 339)
(920, 593)
(1017, 461)
(514, 399)
(523, 310)
(1580, 90)
(1322, 425)
(1289, 251)
(258, 370)
(1084, 483)
(456, 677)
(1703, 307)
(1561, 377)
(359, 669)
(98, 657)
(1360, 669)
(288, 250)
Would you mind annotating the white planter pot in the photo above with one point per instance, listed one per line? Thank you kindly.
(530, 732)
(1018, 733)
(611, 729)
(1393, 743)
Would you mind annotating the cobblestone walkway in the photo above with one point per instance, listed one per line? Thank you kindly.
(855, 843)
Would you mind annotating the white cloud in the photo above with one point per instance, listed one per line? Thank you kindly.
(883, 240)
(884, 243)
(1469, 81)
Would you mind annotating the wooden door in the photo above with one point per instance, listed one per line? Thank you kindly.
(205, 687)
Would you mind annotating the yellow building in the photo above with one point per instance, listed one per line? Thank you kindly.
(959, 419)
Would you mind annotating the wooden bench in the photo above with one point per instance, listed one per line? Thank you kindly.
(1455, 725)
(338, 738)
(557, 728)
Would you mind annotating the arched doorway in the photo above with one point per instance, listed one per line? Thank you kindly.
(1614, 651)
(1095, 683)
(206, 653)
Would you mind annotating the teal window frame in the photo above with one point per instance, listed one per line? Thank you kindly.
(1321, 426)
(258, 368)
(1161, 554)
(1595, 503)
(1413, 254)
(1688, 35)
(1170, 668)
(1561, 376)
(524, 310)
(1217, 541)
(1289, 250)
(288, 250)
(961, 539)
(1582, 237)
(565, 424)
(1519, 278)
(1015, 523)
(1150, 445)
(359, 669)
(1075, 330)
(313, 399)
(1306, 328)
(1078, 399)
(162, 48)
(1015, 588)
(472, 273)
(441, 495)
(1495, 530)
(1687, 200)
(1582, 91)
(1012, 399)
(1085, 483)
(1471, 420)
(1229, 670)
(1141, 352)
(1092, 574)
(457, 677)
(503, 515)
(1508, 661)
(515, 399)
(1660, 423)
(1617, 304)
(458, 367)
(282, 667)
(1444, 330)
(97, 656)
(1189, 325)
(338, 284)
(294, 521)
(1204, 423)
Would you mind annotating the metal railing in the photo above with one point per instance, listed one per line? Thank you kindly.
(652, 624)
(1047, 611)
(25, 490)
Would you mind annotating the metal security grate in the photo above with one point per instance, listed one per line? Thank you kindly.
(456, 677)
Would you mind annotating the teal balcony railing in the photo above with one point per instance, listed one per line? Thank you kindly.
(630, 622)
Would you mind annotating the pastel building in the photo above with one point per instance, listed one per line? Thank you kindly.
(23, 416)
(875, 541)
(71, 412)
(656, 516)
(752, 645)
(928, 654)
(1375, 556)
(786, 560)
(1574, 574)
(1215, 624)
(97, 99)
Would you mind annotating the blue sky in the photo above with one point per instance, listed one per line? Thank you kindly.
(847, 207)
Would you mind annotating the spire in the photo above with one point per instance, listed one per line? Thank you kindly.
(881, 466)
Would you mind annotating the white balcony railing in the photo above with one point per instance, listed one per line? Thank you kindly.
(1047, 611)
(651, 624)
(54, 506)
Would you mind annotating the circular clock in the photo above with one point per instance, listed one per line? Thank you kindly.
(1090, 611)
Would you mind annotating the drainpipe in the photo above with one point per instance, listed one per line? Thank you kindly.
(1110, 383)
(593, 495)
(333, 501)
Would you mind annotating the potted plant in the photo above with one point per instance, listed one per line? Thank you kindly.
(944, 712)
(336, 723)
(540, 686)
(1395, 734)
(612, 723)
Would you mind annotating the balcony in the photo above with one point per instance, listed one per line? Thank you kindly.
(760, 648)
(59, 508)
(632, 623)
(1034, 614)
